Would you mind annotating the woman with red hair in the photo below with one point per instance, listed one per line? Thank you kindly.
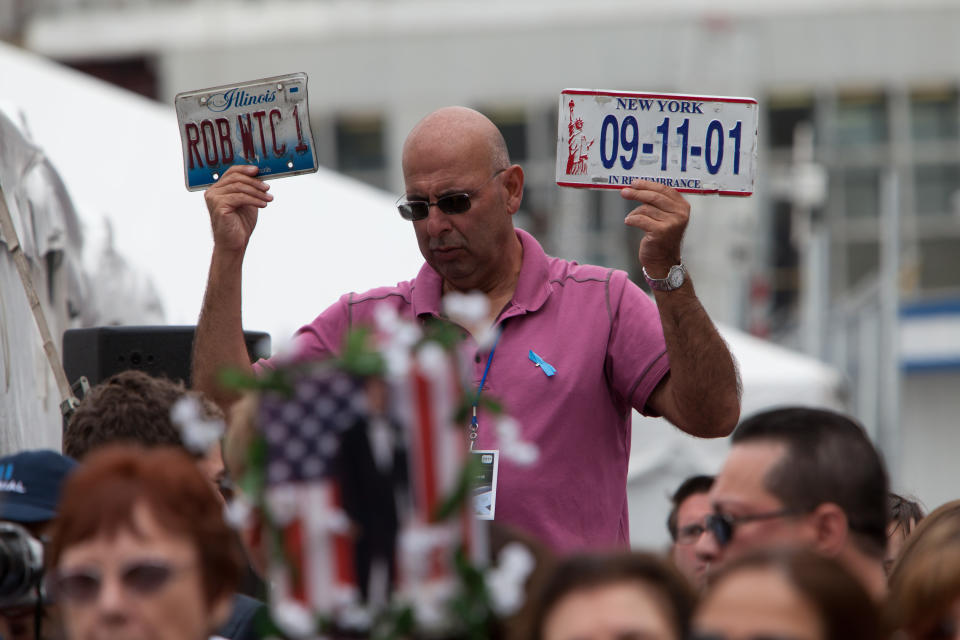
(140, 548)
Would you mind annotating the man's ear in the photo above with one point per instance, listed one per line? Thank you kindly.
(513, 182)
(831, 529)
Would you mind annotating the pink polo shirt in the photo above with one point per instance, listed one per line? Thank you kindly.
(602, 333)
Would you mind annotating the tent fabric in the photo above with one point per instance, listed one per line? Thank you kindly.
(48, 231)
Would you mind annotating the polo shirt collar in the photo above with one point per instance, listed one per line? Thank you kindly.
(533, 287)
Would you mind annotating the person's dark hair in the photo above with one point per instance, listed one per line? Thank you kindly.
(904, 513)
(100, 496)
(691, 486)
(131, 407)
(589, 571)
(846, 610)
(925, 581)
(828, 459)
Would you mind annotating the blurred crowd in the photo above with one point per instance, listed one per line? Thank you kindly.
(129, 534)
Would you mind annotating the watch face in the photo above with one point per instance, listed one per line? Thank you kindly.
(675, 277)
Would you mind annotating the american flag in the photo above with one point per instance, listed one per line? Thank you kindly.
(302, 433)
(437, 453)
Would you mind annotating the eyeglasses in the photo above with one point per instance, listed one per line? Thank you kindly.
(450, 204)
(723, 525)
(690, 533)
(82, 586)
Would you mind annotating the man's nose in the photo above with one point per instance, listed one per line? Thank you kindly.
(706, 548)
(437, 221)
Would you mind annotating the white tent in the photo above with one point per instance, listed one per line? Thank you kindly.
(119, 157)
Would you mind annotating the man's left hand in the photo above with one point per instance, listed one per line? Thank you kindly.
(663, 215)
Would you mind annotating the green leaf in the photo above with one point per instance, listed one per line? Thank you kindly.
(267, 380)
(359, 355)
(456, 498)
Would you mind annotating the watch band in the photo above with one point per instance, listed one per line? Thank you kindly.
(674, 280)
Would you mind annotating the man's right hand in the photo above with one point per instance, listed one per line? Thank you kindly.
(233, 202)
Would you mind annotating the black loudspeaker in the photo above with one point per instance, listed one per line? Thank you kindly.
(100, 352)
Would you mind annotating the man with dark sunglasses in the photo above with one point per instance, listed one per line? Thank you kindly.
(801, 477)
(578, 345)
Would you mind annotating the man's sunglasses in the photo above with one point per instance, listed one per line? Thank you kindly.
(450, 204)
(724, 525)
(82, 586)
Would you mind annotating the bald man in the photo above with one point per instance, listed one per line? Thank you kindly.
(611, 347)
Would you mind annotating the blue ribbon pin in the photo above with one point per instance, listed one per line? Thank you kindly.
(545, 366)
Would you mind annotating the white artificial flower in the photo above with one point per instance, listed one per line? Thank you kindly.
(512, 447)
(354, 617)
(293, 618)
(486, 338)
(429, 603)
(398, 338)
(506, 581)
(467, 309)
(337, 520)
(237, 512)
(433, 360)
(284, 504)
(197, 432)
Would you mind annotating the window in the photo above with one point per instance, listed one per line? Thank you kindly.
(861, 192)
(861, 120)
(784, 259)
(936, 187)
(360, 148)
(933, 115)
(513, 125)
(940, 264)
(783, 116)
(863, 260)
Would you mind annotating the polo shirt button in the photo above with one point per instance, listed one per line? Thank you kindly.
(476, 358)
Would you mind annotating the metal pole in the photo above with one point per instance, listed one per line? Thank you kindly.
(811, 241)
(888, 402)
(68, 400)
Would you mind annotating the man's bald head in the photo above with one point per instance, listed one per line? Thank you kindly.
(457, 125)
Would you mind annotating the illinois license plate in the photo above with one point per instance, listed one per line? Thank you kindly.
(262, 122)
(695, 144)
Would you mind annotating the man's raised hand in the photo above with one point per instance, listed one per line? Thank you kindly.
(663, 216)
(233, 202)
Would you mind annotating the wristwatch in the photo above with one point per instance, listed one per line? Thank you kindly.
(674, 280)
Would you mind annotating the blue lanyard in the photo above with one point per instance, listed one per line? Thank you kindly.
(474, 425)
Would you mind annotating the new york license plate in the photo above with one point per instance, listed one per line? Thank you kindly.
(695, 144)
(263, 122)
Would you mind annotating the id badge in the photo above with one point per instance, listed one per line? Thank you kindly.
(485, 483)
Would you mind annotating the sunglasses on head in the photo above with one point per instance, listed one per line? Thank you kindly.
(82, 586)
(451, 204)
(724, 525)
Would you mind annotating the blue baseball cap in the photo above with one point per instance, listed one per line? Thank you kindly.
(30, 483)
